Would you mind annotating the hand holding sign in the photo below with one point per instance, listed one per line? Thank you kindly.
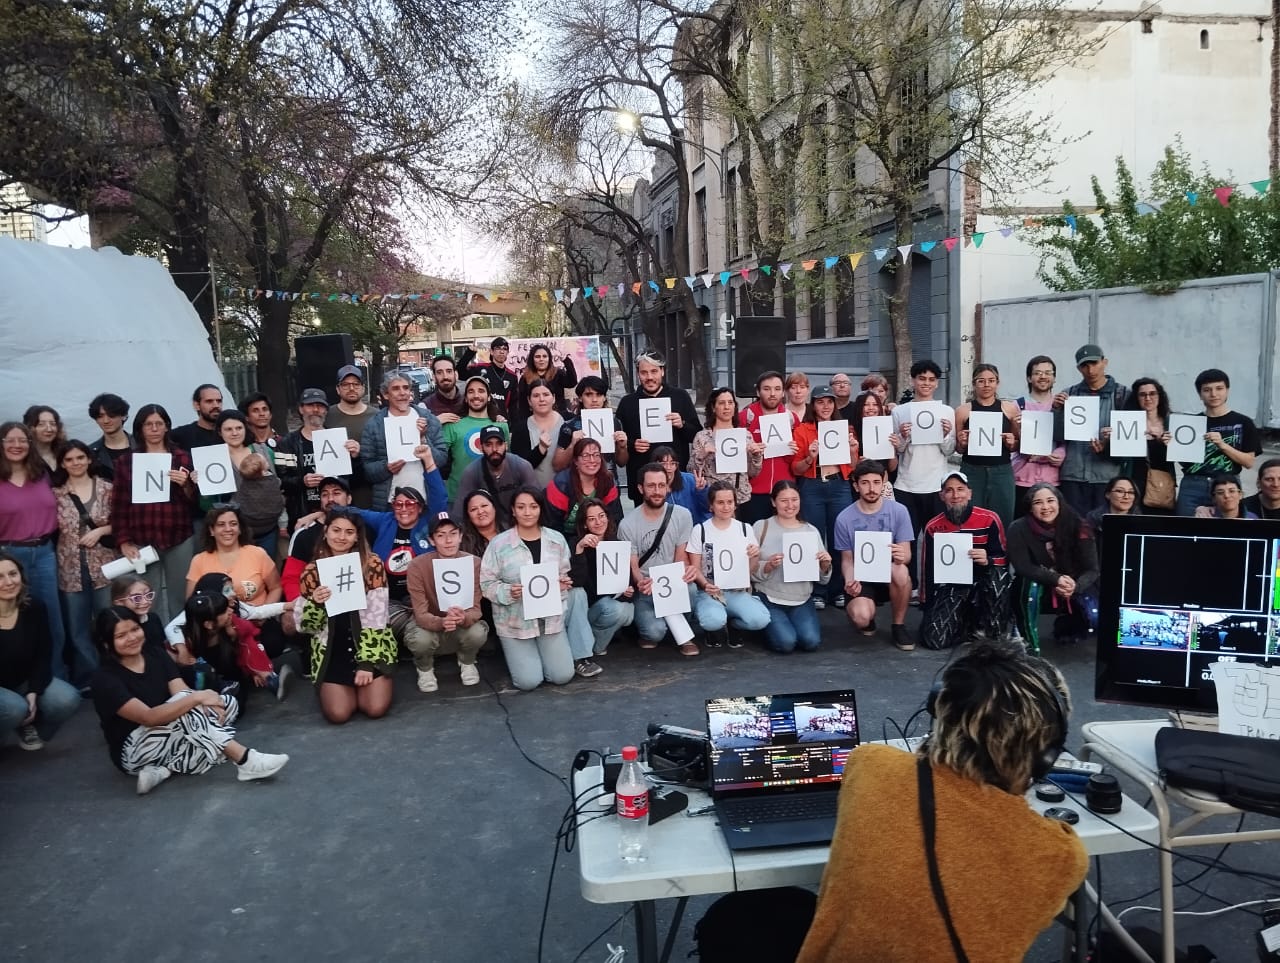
(402, 436)
(875, 438)
(670, 592)
(1037, 433)
(873, 557)
(775, 434)
(343, 576)
(1128, 434)
(540, 590)
(654, 425)
(731, 449)
(1080, 418)
(1186, 438)
(151, 481)
(926, 424)
(833, 443)
(213, 469)
(730, 563)
(613, 567)
(455, 582)
(332, 457)
(800, 556)
(951, 562)
(597, 424)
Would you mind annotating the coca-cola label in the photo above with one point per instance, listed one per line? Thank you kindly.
(633, 807)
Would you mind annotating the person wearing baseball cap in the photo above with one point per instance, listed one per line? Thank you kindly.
(593, 395)
(352, 414)
(1088, 466)
(500, 379)
(334, 492)
(296, 457)
(462, 437)
(499, 472)
(954, 611)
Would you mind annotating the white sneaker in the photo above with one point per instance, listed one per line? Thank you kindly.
(427, 680)
(151, 776)
(470, 674)
(29, 739)
(282, 682)
(260, 765)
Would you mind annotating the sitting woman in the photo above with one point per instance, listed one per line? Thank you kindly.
(793, 615)
(1052, 553)
(253, 573)
(1226, 494)
(535, 649)
(1121, 497)
(1004, 870)
(154, 725)
(605, 613)
(221, 643)
(352, 654)
(33, 704)
(718, 609)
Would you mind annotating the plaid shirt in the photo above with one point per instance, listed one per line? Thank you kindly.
(162, 524)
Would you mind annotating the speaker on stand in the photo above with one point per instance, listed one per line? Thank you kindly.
(318, 358)
(760, 344)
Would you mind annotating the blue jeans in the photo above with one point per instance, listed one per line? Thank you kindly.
(530, 661)
(1193, 491)
(81, 607)
(740, 608)
(792, 627)
(54, 706)
(606, 616)
(649, 627)
(269, 543)
(576, 626)
(41, 577)
(821, 502)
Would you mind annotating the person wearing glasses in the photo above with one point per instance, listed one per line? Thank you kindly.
(137, 595)
(1121, 497)
(227, 549)
(842, 388)
(1148, 395)
(651, 371)
(588, 477)
(1030, 470)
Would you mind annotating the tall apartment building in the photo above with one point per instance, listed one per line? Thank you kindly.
(15, 222)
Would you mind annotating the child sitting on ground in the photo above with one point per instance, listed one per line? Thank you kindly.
(226, 647)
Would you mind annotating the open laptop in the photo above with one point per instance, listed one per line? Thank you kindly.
(776, 765)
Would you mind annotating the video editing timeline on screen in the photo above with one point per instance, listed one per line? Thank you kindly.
(765, 741)
(1195, 600)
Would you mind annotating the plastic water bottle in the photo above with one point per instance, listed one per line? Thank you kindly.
(632, 795)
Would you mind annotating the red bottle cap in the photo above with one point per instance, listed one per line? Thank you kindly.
(629, 753)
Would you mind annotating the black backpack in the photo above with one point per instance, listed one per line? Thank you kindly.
(760, 925)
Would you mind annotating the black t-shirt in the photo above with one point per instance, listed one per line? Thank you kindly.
(1239, 432)
(535, 548)
(114, 686)
(1254, 504)
(397, 565)
(304, 543)
(194, 435)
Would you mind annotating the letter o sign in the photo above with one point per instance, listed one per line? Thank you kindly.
(535, 582)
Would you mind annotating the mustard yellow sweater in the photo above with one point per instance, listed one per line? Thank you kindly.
(1006, 870)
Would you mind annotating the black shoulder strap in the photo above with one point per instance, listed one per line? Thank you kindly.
(85, 520)
(657, 538)
(924, 787)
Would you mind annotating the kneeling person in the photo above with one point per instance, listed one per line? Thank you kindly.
(436, 631)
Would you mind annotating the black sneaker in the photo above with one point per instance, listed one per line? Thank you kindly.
(902, 640)
(715, 640)
(733, 641)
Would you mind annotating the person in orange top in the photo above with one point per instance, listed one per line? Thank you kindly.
(1005, 870)
(824, 489)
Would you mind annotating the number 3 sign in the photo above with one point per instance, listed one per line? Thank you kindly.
(670, 591)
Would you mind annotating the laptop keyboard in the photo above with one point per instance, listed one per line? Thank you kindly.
(781, 809)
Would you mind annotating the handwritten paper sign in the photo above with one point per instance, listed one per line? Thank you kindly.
(540, 596)
(670, 592)
(597, 424)
(1186, 441)
(151, 478)
(332, 457)
(872, 556)
(455, 580)
(926, 423)
(402, 436)
(1080, 418)
(1037, 433)
(213, 469)
(1128, 434)
(775, 434)
(985, 430)
(343, 576)
(833, 443)
(613, 567)
(951, 562)
(731, 450)
(1248, 699)
(800, 556)
(875, 438)
(654, 425)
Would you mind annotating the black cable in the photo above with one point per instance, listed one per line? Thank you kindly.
(506, 713)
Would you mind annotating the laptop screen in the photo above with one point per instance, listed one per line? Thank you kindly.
(772, 741)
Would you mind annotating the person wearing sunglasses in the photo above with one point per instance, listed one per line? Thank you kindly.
(136, 594)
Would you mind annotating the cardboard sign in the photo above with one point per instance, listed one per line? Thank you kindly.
(343, 576)
(151, 478)
(800, 556)
(613, 567)
(872, 556)
(1128, 434)
(951, 562)
(654, 426)
(540, 598)
(833, 443)
(775, 434)
(731, 450)
(455, 580)
(985, 433)
(213, 470)
(1186, 442)
(926, 423)
(332, 457)
(1247, 702)
(402, 436)
(1037, 433)
(875, 438)
(729, 563)
(1080, 418)
(670, 592)
(597, 424)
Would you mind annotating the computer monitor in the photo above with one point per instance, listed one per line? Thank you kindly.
(1178, 594)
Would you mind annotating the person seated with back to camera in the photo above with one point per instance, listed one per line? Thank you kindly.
(1005, 870)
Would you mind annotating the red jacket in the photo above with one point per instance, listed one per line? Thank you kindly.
(775, 469)
(250, 655)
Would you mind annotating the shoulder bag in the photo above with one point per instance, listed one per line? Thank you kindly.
(1160, 490)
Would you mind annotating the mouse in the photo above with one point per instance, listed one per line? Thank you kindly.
(1062, 813)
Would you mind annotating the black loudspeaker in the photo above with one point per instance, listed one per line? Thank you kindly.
(760, 344)
(318, 357)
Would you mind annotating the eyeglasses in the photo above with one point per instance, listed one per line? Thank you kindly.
(405, 503)
(138, 598)
(1124, 492)
(1148, 394)
(590, 456)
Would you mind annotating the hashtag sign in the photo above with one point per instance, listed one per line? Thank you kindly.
(341, 575)
(345, 580)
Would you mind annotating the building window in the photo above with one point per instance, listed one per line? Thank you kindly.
(817, 284)
(731, 213)
(700, 210)
(1204, 39)
(915, 138)
(846, 316)
(1147, 25)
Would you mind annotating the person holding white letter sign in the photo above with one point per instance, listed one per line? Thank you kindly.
(658, 533)
(722, 439)
(787, 542)
(921, 460)
(600, 558)
(827, 451)
(1088, 465)
(721, 552)
(987, 432)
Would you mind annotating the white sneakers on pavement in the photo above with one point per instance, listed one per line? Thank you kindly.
(427, 680)
(469, 673)
(151, 776)
(259, 765)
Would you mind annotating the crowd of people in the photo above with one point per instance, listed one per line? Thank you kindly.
(504, 471)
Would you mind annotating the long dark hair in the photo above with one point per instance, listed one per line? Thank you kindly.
(1068, 530)
(859, 412)
(34, 464)
(203, 607)
(104, 628)
(657, 454)
(580, 525)
(473, 543)
(1162, 401)
(530, 372)
(603, 478)
(60, 475)
(778, 488)
(710, 412)
(24, 593)
(31, 416)
(353, 516)
(145, 412)
(217, 511)
(536, 493)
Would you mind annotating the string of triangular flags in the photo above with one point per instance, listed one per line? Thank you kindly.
(621, 289)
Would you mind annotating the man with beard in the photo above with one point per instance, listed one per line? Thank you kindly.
(498, 472)
(296, 457)
(954, 613)
(651, 370)
(334, 493)
(352, 414)
(446, 402)
(462, 437)
(658, 533)
(382, 472)
(207, 402)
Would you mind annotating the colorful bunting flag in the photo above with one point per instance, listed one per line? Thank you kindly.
(927, 246)
(1260, 186)
(855, 258)
(1223, 194)
(829, 262)
(880, 253)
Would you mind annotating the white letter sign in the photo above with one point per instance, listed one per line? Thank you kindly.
(1037, 433)
(951, 562)
(597, 424)
(1128, 434)
(731, 449)
(833, 443)
(872, 560)
(332, 457)
(875, 438)
(653, 419)
(455, 580)
(151, 478)
(613, 567)
(800, 556)
(985, 430)
(775, 434)
(402, 436)
(540, 597)
(1186, 442)
(729, 562)
(1080, 418)
(343, 576)
(926, 424)
(670, 592)
(213, 469)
